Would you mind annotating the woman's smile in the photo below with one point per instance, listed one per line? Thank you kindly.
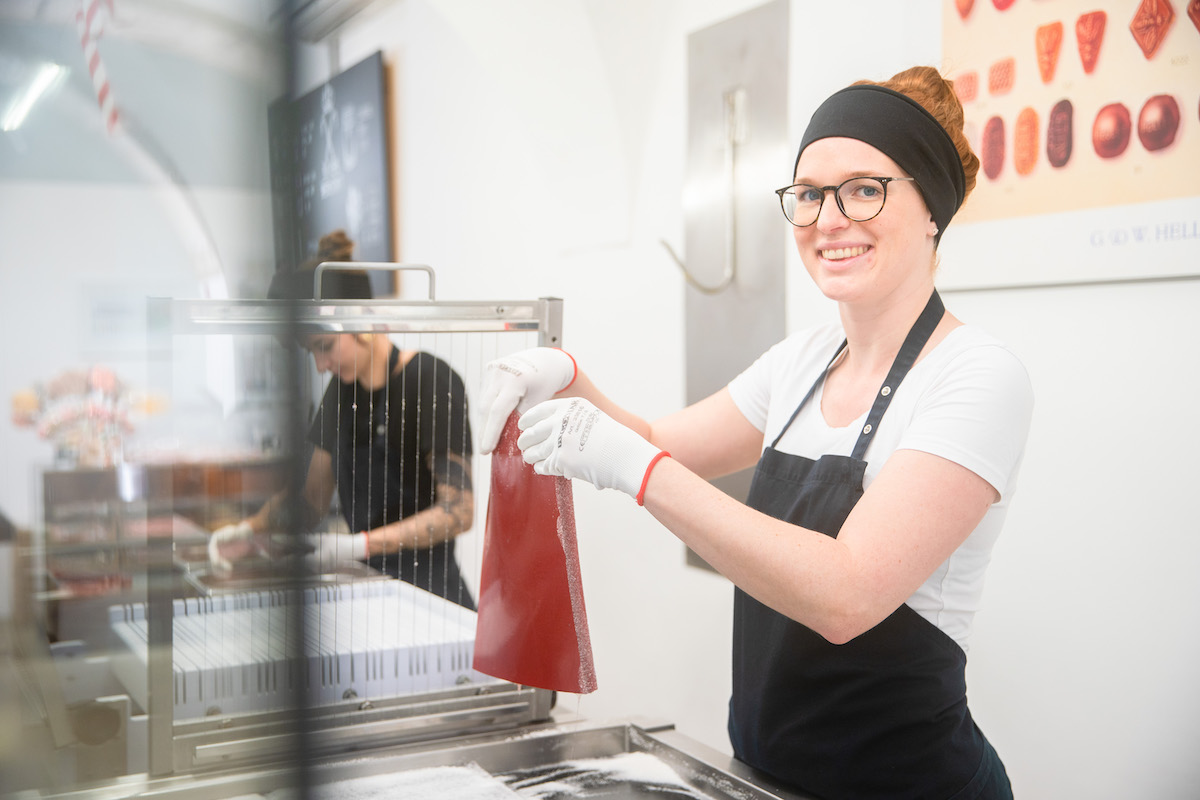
(842, 253)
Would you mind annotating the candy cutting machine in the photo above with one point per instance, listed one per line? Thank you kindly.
(277, 682)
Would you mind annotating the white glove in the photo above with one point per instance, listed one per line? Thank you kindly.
(520, 382)
(572, 438)
(331, 549)
(222, 543)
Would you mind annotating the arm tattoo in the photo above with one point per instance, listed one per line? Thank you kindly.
(456, 472)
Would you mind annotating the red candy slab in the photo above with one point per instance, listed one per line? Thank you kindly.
(532, 626)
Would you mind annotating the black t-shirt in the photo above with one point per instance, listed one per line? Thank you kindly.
(387, 445)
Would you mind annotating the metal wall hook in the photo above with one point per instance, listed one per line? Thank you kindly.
(726, 277)
(735, 135)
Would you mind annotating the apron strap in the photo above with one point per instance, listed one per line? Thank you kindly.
(918, 335)
(807, 397)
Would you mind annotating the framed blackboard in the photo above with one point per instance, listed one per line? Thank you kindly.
(330, 169)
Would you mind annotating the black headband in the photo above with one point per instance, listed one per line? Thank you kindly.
(902, 129)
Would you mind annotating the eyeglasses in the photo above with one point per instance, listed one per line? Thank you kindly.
(860, 199)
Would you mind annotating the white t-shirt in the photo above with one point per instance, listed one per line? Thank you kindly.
(969, 400)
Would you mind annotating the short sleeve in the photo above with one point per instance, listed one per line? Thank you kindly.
(447, 428)
(751, 390)
(976, 412)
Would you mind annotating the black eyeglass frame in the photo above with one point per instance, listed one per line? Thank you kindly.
(824, 190)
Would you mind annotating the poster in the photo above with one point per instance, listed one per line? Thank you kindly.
(1086, 117)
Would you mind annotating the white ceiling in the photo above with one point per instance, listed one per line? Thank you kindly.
(237, 35)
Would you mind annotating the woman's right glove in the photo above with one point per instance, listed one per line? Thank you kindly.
(328, 550)
(521, 381)
(572, 438)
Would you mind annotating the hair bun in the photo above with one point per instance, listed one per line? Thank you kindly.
(335, 246)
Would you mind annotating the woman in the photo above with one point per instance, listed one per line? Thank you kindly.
(887, 450)
(392, 436)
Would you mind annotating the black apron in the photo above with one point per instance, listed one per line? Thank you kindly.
(884, 715)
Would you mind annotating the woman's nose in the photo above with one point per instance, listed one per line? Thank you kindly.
(830, 216)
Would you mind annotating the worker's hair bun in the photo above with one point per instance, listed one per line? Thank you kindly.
(298, 284)
(335, 246)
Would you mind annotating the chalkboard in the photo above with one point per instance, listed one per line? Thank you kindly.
(330, 169)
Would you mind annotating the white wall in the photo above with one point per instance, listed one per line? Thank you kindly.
(541, 152)
(1084, 657)
(547, 160)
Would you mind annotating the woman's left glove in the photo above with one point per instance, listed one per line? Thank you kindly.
(519, 382)
(572, 438)
(230, 543)
(331, 549)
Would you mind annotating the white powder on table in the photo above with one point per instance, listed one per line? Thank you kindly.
(468, 782)
(588, 777)
(583, 777)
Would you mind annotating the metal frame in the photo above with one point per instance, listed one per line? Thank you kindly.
(358, 316)
(241, 740)
(244, 741)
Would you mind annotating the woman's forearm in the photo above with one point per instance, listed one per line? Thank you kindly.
(915, 514)
(583, 387)
(451, 515)
(798, 572)
(452, 512)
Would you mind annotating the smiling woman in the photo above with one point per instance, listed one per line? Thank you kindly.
(887, 451)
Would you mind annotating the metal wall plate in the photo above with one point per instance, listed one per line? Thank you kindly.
(738, 154)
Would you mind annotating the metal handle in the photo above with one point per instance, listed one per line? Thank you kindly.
(347, 266)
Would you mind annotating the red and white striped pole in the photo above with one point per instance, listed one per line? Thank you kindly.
(90, 22)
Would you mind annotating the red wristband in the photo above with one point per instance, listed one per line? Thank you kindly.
(641, 495)
(574, 370)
